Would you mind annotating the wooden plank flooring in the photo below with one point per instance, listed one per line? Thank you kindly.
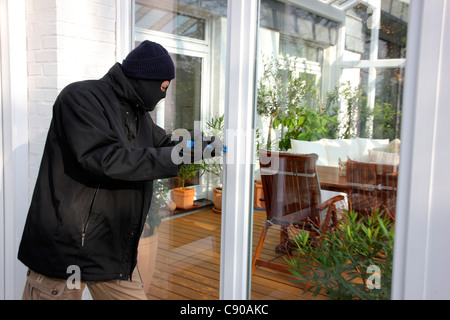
(188, 261)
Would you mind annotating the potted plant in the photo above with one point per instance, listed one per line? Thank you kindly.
(292, 102)
(350, 262)
(184, 196)
(148, 244)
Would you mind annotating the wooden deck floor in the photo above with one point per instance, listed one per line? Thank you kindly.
(188, 261)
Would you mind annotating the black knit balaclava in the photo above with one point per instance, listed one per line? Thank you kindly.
(147, 67)
(149, 91)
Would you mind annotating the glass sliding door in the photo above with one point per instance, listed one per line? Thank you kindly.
(310, 95)
(328, 112)
(187, 260)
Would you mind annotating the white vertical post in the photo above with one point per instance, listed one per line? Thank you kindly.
(3, 26)
(124, 28)
(422, 220)
(15, 142)
(239, 138)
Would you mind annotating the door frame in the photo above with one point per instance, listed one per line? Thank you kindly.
(14, 141)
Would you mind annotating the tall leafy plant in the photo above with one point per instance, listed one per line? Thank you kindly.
(271, 91)
(293, 103)
(340, 261)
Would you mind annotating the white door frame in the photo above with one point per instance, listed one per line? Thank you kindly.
(421, 256)
(237, 207)
(14, 160)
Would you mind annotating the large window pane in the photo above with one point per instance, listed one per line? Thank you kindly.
(329, 116)
(161, 17)
(186, 251)
(183, 107)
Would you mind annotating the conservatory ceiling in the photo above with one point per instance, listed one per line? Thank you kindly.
(342, 4)
(348, 4)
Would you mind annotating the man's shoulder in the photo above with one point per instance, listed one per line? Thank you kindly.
(84, 86)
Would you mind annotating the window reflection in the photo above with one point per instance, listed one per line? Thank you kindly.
(329, 85)
(341, 86)
(393, 30)
(158, 17)
(186, 264)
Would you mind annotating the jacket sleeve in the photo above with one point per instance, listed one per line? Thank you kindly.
(161, 139)
(84, 126)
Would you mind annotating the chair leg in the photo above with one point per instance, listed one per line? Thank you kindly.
(284, 246)
(260, 245)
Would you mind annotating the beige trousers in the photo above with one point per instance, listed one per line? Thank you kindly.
(39, 287)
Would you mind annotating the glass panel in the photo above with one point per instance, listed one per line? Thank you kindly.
(160, 17)
(388, 103)
(334, 132)
(182, 107)
(384, 120)
(187, 259)
(357, 31)
(393, 30)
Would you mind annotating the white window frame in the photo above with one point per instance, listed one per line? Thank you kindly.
(14, 141)
(237, 207)
(422, 221)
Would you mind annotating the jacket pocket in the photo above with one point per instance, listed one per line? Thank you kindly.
(86, 224)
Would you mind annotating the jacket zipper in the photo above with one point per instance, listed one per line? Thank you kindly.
(83, 234)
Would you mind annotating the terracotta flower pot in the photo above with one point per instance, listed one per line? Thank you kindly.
(217, 200)
(258, 195)
(146, 259)
(183, 197)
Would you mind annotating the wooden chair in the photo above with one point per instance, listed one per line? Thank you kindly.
(292, 197)
(372, 186)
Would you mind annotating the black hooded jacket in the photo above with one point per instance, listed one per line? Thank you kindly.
(94, 186)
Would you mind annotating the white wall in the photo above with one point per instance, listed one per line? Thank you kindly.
(67, 41)
(45, 45)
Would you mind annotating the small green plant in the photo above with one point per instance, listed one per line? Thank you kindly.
(303, 123)
(338, 262)
(187, 171)
(352, 98)
(386, 121)
(293, 103)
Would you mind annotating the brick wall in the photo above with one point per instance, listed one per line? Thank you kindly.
(67, 41)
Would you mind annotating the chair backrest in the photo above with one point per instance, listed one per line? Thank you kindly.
(372, 186)
(291, 187)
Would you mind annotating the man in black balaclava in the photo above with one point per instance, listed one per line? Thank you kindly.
(148, 68)
(95, 182)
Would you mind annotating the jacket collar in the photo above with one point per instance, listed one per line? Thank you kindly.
(121, 86)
